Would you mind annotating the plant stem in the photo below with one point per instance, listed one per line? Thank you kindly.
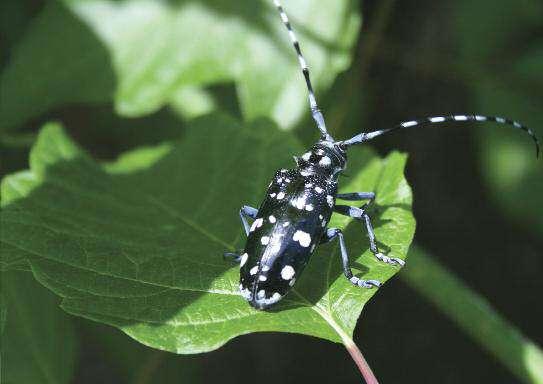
(475, 316)
(360, 362)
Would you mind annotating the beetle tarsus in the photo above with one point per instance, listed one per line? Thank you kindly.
(361, 214)
(332, 233)
(365, 283)
(245, 212)
(232, 256)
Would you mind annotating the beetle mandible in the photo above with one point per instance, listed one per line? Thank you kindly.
(293, 217)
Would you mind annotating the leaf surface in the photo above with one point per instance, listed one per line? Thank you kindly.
(140, 247)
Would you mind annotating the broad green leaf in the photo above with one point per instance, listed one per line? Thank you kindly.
(144, 54)
(58, 61)
(38, 342)
(138, 364)
(159, 48)
(140, 247)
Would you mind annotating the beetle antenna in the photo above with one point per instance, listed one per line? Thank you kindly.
(315, 111)
(367, 136)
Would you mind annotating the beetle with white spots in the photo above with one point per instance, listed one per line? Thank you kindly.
(291, 220)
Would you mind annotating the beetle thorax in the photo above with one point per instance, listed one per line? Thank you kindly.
(324, 158)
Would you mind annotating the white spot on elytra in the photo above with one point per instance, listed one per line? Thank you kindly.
(298, 203)
(287, 180)
(272, 219)
(256, 224)
(330, 200)
(261, 294)
(320, 217)
(265, 240)
(318, 189)
(309, 207)
(286, 224)
(253, 270)
(280, 195)
(262, 278)
(305, 173)
(272, 194)
(325, 161)
(437, 119)
(302, 237)
(272, 300)
(244, 258)
(287, 272)
(306, 156)
(265, 268)
(279, 180)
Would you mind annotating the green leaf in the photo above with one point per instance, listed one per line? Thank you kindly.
(58, 61)
(159, 48)
(144, 54)
(38, 343)
(140, 247)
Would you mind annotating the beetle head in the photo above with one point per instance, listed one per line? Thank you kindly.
(325, 157)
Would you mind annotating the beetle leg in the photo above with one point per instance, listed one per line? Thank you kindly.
(355, 196)
(230, 255)
(360, 214)
(332, 233)
(244, 212)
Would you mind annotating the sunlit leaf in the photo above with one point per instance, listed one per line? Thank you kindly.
(140, 247)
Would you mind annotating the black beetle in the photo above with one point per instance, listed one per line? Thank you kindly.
(292, 220)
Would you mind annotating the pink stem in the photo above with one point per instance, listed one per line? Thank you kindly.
(361, 363)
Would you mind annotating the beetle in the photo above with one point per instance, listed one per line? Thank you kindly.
(292, 220)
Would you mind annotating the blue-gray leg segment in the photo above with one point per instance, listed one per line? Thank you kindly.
(245, 212)
(231, 255)
(355, 196)
(360, 214)
(332, 233)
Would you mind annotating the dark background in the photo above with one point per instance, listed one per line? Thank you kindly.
(409, 62)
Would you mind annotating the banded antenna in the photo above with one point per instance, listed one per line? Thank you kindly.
(367, 136)
(315, 111)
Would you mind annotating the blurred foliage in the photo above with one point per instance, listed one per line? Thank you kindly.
(39, 344)
(144, 54)
(474, 315)
(510, 86)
